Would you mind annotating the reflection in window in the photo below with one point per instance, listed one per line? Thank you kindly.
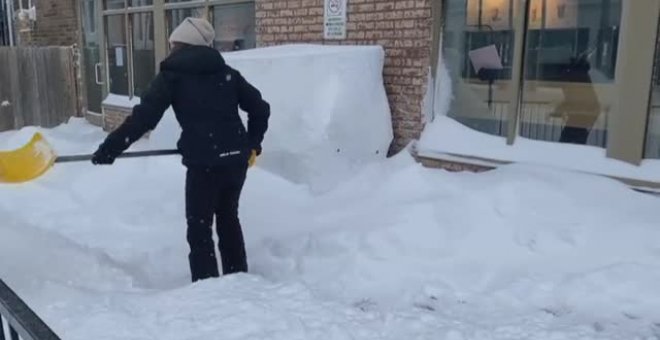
(478, 52)
(563, 29)
(234, 27)
(143, 51)
(570, 66)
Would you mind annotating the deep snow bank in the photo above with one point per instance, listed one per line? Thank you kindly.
(329, 109)
(396, 252)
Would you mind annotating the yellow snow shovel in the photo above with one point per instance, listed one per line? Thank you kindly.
(37, 156)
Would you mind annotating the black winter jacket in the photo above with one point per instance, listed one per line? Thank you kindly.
(205, 94)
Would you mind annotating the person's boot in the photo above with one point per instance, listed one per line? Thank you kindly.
(203, 266)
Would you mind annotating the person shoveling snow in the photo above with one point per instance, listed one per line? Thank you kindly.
(216, 148)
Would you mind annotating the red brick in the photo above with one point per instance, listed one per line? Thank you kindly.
(402, 27)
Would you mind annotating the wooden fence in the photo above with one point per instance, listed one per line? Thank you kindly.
(38, 86)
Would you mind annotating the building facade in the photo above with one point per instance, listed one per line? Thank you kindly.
(570, 72)
(403, 27)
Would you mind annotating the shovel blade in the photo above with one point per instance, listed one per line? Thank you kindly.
(28, 162)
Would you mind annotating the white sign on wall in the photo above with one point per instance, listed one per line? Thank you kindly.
(335, 19)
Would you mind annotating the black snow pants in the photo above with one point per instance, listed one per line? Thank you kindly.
(215, 193)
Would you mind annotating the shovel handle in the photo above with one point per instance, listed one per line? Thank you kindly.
(81, 158)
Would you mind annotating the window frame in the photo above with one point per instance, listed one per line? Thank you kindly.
(158, 10)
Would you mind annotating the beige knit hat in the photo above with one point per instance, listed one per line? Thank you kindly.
(194, 31)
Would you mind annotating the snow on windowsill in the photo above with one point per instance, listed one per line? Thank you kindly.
(447, 136)
(121, 101)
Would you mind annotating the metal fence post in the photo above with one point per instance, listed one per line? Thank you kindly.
(23, 323)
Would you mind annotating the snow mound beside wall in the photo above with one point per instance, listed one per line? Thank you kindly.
(329, 109)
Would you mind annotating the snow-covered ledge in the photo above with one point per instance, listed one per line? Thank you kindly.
(449, 140)
(115, 109)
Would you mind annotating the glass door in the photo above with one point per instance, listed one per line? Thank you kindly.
(92, 56)
(117, 54)
(143, 52)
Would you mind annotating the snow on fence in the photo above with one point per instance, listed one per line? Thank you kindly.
(18, 321)
(38, 86)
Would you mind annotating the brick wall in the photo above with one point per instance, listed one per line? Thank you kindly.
(114, 116)
(57, 24)
(452, 166)
(402, 27)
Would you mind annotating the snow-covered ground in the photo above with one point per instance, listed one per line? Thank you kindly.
(342, 243)
(396, 251)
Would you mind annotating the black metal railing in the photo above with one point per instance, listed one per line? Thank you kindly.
(18, 321)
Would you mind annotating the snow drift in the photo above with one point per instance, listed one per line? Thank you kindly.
(446, 135)
(397, 251)
(329, 109)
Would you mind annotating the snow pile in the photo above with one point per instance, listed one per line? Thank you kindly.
(396, 252)
(524, 235)
(330, 112)
(445, 135)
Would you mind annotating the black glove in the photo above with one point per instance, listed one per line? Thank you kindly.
(102, 157)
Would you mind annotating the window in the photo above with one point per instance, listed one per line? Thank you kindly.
(652, 145)
(24, 4)
(135, 42)
(114, 4)
(4, 29)
(89, 17)
(567, 71)
(234, 27)
(570, 60)
(91, 51)
(130, 57)
(143, 51)
(140, 3)
(174, 17)
(117, 54)
(478, 54)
